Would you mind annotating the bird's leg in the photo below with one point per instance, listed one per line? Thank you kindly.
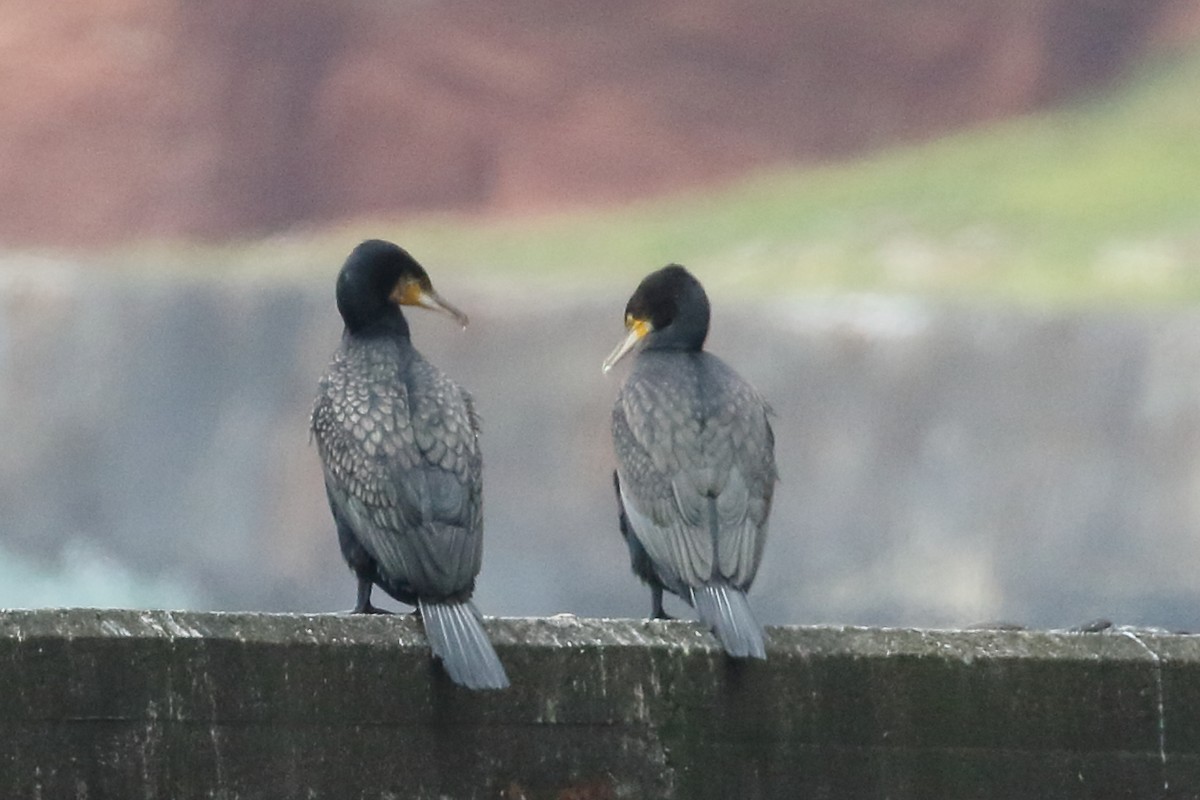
(656, 605)
(363, 606)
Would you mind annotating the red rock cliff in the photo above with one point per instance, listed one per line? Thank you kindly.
(128, 118)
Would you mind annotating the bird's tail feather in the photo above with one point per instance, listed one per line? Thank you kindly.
(456, 636)
(725, 610)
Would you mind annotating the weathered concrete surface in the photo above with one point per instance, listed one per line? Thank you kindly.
(155, 704)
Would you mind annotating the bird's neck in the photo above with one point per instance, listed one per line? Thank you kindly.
(390, 324)
(686, 332)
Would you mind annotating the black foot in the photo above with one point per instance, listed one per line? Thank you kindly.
(656, 606)
(369, 609)
(363, 606)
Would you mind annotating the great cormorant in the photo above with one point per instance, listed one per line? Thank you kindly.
(399, 442)
(695, 461)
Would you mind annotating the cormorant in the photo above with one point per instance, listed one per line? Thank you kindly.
(399, 443)
(695, 461)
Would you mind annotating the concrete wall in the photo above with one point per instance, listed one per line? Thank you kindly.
(150, 704)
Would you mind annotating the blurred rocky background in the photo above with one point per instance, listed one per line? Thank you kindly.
(223, 118)
(956, 245)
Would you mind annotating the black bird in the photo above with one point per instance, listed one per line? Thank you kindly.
(695, 461)
(399, 442)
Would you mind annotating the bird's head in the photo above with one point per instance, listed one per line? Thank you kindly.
(379, 277)
(668, 310)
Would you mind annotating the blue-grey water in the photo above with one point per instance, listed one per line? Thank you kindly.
(940, 465)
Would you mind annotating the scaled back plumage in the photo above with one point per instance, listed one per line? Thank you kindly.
(695, 458)
(399, 444)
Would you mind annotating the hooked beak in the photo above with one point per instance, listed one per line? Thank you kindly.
(637, 330)
(411, 293)
(434, 302)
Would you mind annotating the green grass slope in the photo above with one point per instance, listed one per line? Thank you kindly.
(1099, 202)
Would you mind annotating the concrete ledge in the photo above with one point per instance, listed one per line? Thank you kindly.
(156, 704)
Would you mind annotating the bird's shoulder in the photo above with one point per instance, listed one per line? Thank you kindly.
(687, 392)
(692, 413)
(731, 397)
(445, 423)
(738, 422)
(360, 415)
(661, 385)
